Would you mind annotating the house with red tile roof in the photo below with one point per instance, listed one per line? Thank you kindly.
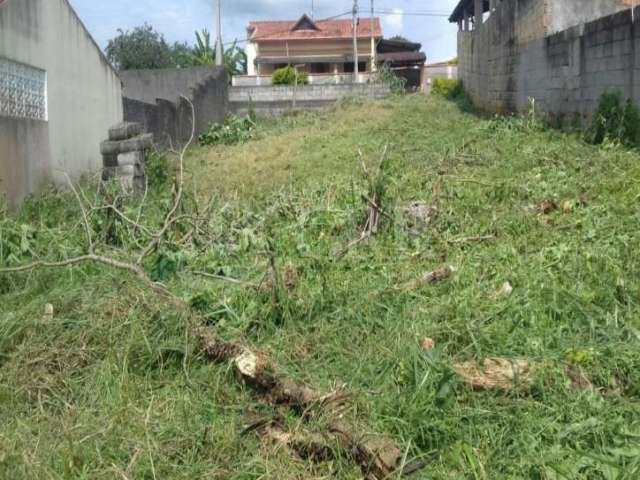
(323, 47)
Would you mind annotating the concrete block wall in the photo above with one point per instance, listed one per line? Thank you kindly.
(275, 100)
(168, 116)
(503, 65)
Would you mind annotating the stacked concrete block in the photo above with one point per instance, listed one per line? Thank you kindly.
(123, 155)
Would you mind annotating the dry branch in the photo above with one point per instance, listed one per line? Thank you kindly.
(377, 456)
(85, 219)
(92, 258)
(129, 266)
(171, 215)
(428, 278)
(223, 278)
(480, 238)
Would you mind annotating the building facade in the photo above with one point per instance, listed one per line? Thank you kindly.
(318, 48)
(58, 96)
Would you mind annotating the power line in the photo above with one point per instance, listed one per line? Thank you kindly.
(416, 14)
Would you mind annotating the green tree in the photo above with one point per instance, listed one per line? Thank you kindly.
(181, 55)
(235, 60)
(142, 47)
(204, 53)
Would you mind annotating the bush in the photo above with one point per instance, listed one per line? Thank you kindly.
(234, 130)
(289, 76)
(615, 120)
(453, 90)
(447, 88)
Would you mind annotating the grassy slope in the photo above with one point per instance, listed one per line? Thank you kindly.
(112, 387)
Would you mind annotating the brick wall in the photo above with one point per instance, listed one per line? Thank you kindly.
(504, 62)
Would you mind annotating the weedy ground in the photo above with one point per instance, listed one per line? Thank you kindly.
(113, 385)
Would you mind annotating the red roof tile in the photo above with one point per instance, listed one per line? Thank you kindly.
(331, 29)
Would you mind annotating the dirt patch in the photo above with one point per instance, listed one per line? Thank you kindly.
(497, 374)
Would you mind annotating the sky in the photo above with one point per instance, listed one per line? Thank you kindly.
(177, 20)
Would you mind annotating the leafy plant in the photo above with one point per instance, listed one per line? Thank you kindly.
(615, 120)
(453, 90)
(448, 88)
(157, 169)
(289, 76)
(234, 130)
(388, 77)
(203, 53)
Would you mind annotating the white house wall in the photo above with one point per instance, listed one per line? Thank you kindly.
(84, 97)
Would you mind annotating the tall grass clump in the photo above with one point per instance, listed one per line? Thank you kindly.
(386, 76)
(615, 120)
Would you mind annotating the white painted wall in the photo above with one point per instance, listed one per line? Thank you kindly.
(252, 54)
(84, 93)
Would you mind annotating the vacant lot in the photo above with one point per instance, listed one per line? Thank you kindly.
(541, 229)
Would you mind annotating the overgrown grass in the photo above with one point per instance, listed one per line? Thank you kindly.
(113, 386)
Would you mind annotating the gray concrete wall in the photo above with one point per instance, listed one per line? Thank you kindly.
(84, 96)
(167, 84)
(564, 14)
(170, 121)
(276, 100)
(565, 73)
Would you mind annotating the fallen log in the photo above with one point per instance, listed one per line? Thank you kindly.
(378, 457)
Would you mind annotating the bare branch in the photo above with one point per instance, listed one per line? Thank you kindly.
(170, 218)
(92, 258)
(225, 279)
(481, 238)
(87, 228)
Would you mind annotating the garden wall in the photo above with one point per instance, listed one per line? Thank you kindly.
(503, 63)
(168, 116)
(276, 100)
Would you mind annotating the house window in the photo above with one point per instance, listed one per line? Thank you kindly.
(23, 91)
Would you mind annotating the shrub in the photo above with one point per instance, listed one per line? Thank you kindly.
(233, 130)
(615, 120)
(447, 88)
(157, 169)
(289, 76)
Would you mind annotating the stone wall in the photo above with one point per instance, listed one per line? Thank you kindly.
(82, 97)
(275, 100)
(168, 117)
(502, 64)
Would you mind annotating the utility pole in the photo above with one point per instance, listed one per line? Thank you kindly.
(374, 67)
(219, 49)
(312, 9)
(355, 41)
